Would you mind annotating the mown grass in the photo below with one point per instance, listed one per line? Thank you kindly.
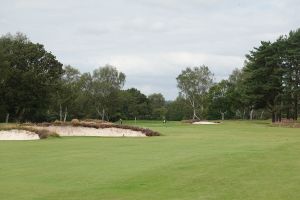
(233, 160)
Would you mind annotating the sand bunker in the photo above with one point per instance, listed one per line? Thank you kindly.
(15, 134)
(205, 123)
(87, 131)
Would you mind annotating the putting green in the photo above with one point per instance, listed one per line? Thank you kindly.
(232, 160)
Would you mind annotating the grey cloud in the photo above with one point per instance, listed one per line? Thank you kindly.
(151, 40)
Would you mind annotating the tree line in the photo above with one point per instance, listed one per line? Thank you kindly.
(35, 86)
(268, 86)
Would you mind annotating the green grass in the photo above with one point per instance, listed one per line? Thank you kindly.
(233, 160)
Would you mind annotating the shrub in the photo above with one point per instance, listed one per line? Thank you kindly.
(74, 122)
(57, 122)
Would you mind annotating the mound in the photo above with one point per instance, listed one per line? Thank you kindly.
(15, 134)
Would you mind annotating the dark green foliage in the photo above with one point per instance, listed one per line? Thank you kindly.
(272, 76)
(158, 106)
(33, 75)
(35, 87)
(178, 110)
(134, 104)
(269, 81)
(220, 102)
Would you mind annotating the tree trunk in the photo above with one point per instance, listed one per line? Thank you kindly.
(194, 113)
(66, 114)
(262, 114)
(237, 114)
(296, 107)
(251, 114)
(103, 113)
(20, 115)
(7, 118)
(273, 117)
(288, 113)
(60, 112)
(223, 114)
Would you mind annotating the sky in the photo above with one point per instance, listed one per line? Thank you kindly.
(151, 41)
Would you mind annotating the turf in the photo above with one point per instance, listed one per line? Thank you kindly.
(233, 160)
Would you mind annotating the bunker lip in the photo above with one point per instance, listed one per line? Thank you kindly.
(98, 129)
(17, 134)
(205, 123)
(74, 128)
(90, 131)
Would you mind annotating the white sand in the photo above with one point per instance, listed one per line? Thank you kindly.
(87, 131)
(15, 134)
(205, 123)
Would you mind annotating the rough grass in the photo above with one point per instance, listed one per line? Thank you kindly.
(232, 161)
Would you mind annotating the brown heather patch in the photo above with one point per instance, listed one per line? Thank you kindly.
(97, 121)
(287, 124)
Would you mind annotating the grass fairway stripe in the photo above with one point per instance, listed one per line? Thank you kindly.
(233, 160)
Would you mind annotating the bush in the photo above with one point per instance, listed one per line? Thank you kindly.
(74, 122)
(57, 122)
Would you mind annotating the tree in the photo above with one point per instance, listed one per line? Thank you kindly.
(106, 82)
(194, 84)
(33, 76)
(219, 98)
(68, 91)
(263, 81)
(240, 102)
(157, 103)
(4, 74)
(178, 109)
(134, 104)
(290, 60)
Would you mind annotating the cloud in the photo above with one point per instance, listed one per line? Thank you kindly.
(157, 72)
(151, 40)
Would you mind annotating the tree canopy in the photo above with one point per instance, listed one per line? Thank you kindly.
(35, 86)
(194, 84)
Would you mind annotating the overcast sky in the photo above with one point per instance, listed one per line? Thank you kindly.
(151, 41)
